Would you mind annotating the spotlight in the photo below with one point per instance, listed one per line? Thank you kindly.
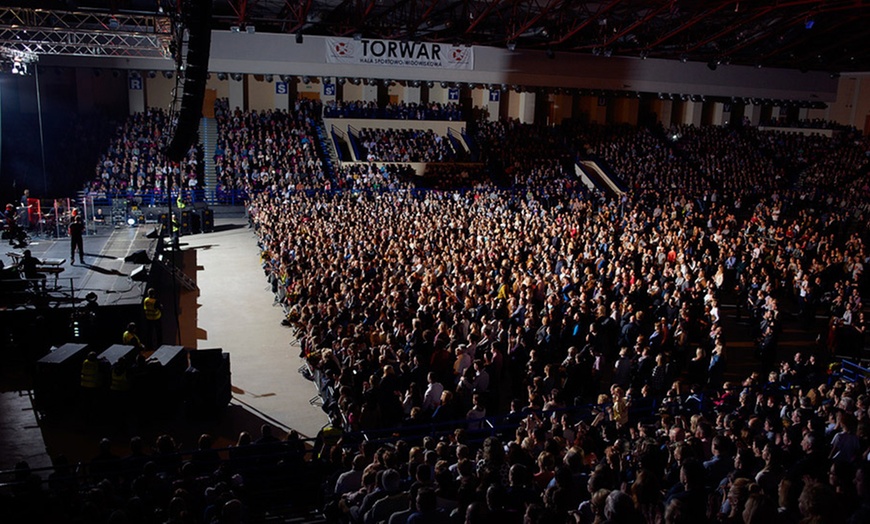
(236, 76)
(712, 65)
(167, 74)
(644, 54)
(340, 81)
(152, 74)
(357, 36)
(250, 29)
(235, 29)
(269, 78)
(221, 76)
(684, 58)
(608, 52)
(306, 79)
(512, 46)
(285, 78)
(444, 85)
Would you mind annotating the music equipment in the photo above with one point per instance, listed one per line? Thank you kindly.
(209, 375)
(116, 352)
(166, 380)
(140, 274)
(195, 222)
(207, 220)
(138, 257)
(58, 376)
(186, 227)
(198, 20)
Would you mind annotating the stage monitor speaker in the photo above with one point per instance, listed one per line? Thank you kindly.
(140, 274)
(138, 257)
(114, 353)
(155, 233)
(198, 21)
(207, 221)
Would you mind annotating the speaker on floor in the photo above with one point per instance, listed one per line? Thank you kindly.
(195, 222)
(138, 257)
(207, 220)
(140, 274)
(155, 233)
(197, 18)
(186, 227)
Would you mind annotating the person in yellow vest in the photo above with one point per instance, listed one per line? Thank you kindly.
(120, 387)
(176, 230)
(91, 378)
(130, 337)
(91, 381)
(153, 324)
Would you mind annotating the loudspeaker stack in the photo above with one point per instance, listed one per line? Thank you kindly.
(198, 18)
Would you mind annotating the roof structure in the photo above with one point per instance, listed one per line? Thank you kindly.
(811, 35)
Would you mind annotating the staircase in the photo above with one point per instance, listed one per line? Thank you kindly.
(326, 150)
(208, 132)
(185, 281)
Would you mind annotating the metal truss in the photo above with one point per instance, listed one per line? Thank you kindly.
(86, 33)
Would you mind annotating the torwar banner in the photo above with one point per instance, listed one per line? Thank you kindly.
(394, 53)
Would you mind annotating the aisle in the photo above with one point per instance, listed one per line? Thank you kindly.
(236, 314)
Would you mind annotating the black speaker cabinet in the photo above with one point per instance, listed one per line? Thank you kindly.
(207, 220)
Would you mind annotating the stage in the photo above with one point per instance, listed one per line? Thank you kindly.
(230, 307)
(104, 273)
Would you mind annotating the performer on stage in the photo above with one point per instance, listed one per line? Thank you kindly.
(11, 230)
(76, 240)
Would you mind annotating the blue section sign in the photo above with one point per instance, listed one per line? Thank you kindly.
(494, 95)
(453, 93)
(135, 83)
(281, 88)
(328, 89)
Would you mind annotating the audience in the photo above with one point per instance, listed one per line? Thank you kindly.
(576, 341)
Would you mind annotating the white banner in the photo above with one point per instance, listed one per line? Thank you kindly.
(398, 54)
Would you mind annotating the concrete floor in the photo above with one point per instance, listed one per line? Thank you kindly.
(236, 313)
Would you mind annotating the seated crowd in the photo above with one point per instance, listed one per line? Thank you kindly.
(399, 111)
(135, 164)
(582, 336)
(404, 145)
(466, 306)
(256, 148)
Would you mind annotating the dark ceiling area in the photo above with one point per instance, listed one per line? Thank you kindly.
(810, 35)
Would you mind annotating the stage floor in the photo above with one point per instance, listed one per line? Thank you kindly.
(104, 272)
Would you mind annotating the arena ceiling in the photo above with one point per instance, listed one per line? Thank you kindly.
(817, 35)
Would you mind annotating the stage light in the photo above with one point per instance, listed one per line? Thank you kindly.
(269, 78)
(512, 46)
